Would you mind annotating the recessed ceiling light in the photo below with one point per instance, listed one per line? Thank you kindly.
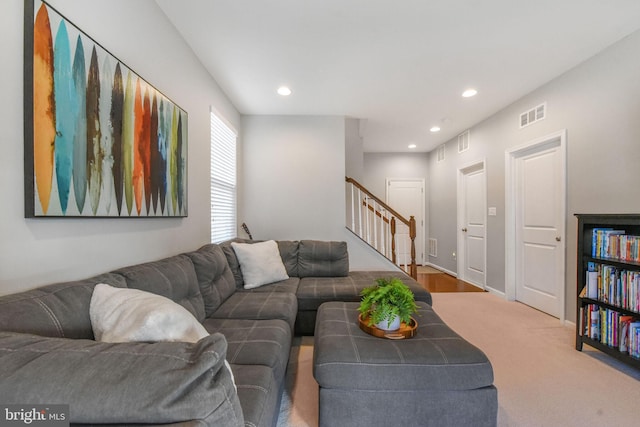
(412, 146)
(435, 129)
(469, 93)
(284, 91)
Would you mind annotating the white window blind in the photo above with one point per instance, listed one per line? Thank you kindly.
(223, 181)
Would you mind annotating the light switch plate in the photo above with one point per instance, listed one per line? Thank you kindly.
(492, 212)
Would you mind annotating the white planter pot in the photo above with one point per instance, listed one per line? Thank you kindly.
(389, 325)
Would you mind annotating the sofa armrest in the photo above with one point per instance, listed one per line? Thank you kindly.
(121, 383)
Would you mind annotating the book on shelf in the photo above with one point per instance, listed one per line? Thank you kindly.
(634, 339)
(625, 321)
(616, 286)
(610, 243)
(596, 239)
(592, 284)
(609, 327)
(594, 322)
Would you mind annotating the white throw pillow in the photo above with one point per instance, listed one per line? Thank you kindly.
(260, 263)
(132, 315)
(124, 315)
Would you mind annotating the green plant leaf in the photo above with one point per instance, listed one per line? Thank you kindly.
(386, 299)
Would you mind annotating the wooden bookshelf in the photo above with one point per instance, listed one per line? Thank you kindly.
(615, 260)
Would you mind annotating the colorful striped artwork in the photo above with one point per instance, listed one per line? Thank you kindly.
(44, 117)
(117, 108)
(102, 141)
(80, 134)
(64, 92)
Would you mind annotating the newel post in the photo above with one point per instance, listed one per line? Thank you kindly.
(412, 236)
(392, 225)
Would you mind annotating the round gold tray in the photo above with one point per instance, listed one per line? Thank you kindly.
(405, 331)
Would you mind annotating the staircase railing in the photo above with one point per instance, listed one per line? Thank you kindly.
(381, 227)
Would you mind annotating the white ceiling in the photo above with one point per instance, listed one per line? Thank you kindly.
(401, 65)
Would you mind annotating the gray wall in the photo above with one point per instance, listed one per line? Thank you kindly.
(39, 251)
(598, 103)
(380, 166)
(293, 182)
(354, 161)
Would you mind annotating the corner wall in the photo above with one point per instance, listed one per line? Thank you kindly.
(598, 103)
(40, 251)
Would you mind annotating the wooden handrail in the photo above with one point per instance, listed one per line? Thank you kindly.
(378, 213)
(380, 202)
(411, 223)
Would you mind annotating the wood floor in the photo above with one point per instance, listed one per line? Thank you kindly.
(442, 282)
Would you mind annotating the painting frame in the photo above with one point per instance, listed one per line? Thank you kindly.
(99, 140)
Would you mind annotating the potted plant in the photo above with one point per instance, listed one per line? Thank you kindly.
(387, 303)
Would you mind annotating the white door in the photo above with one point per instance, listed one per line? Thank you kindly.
(472, 224)
(406, 196)
(539, 210)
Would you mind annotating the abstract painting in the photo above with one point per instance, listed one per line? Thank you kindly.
(99, 140)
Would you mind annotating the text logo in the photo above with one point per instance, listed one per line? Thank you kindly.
(34, 415)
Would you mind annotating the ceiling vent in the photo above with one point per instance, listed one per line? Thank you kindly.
(441, 153)
(534, 115)
(463, 141)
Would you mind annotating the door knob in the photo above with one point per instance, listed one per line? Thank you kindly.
(558, 238)
(464, 229)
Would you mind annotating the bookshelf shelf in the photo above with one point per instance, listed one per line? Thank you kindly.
(608, 287)
(612, 351)
(615, 262)
(610, 307)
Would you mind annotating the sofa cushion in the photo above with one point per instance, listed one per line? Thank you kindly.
(322, 259)
(313, 291)
(255, 342)
(57, 310)
(286, 286)
(215, 277)
(288, 253)
(174, 278)
(125, 383)
(259, 394)
(124, 315)
(259, 306)
(260, 263)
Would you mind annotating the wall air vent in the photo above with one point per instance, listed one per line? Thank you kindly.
(535, 114)
(441, 153)
(463, 141)
(433, 247)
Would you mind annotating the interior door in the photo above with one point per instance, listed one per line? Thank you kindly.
(472, 225)
(539, 227)
(406, 196)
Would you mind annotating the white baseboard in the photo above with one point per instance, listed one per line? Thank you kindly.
(496, 292)
(450, 273)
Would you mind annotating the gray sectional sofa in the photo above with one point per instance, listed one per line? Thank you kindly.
(49, 355)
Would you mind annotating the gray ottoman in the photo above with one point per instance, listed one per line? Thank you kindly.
(433, 379)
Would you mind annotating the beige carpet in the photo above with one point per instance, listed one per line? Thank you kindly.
(541, 379)
(299, 407)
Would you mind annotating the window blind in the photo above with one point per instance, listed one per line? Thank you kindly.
(223, 181)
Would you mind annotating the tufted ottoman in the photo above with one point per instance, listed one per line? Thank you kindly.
(433, 379)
